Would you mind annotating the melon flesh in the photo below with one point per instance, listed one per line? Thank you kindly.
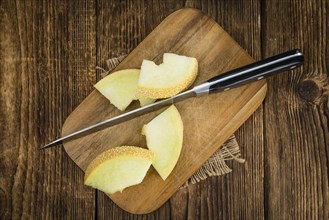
(175, 74)
(118, 168)
(120, 88)
(164, 136)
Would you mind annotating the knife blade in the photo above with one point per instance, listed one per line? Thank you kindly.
(223, 82)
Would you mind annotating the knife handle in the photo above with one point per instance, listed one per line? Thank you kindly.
(252, 72)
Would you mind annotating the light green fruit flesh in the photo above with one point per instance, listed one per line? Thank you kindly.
(120, 88)
(173, 70)
(118, 173)
(164, 136)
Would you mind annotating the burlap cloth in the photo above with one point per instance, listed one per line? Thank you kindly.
(216, 164)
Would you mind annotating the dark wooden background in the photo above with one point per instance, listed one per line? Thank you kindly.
(48, 57)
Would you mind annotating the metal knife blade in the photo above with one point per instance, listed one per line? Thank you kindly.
(123, 117)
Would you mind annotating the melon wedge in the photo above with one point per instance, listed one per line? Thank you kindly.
(120, 88)
(118, 168)
(164, 136)
(175, 74)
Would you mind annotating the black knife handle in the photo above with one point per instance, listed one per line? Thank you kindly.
(256, 71)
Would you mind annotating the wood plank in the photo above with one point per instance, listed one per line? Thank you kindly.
(47, 59)
(296, 113)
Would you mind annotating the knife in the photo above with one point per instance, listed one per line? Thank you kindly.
(223, 82)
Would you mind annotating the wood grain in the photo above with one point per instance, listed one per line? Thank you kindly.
(46, 65)
(296, 156)
(286, 171)
(208, 121)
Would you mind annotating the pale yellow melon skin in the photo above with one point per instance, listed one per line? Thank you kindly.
(118, 168)
(164, 136)
(165, 80)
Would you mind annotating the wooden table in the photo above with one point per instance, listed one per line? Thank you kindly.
(48, 58)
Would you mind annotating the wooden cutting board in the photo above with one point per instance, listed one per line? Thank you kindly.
(208, 121)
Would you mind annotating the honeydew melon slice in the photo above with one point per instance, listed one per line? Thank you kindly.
(120, 88)
(118, 168)
(175, 74)
(164, 136)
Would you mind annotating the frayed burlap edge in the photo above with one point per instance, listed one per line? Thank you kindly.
(216, 164)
